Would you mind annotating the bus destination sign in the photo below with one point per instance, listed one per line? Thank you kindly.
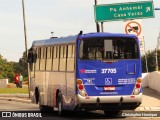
(123, 11)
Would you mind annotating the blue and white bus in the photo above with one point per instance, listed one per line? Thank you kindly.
(94, 71)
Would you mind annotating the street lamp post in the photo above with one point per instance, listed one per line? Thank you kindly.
(25, 36)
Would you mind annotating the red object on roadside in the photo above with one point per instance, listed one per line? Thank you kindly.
(16, 78)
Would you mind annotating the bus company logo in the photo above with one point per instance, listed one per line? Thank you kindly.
(87, 71)
(108, 81)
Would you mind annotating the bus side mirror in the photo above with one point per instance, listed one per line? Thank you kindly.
(32, 57)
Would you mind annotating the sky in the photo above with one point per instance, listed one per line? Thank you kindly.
(64, 18)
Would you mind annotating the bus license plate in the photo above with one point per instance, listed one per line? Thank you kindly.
(109, 88)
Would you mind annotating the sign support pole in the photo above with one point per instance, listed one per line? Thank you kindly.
(101, 26)
(97, 25)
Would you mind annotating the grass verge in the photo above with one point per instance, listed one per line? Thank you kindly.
(13, 90)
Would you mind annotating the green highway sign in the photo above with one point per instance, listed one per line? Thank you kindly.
(123, 11)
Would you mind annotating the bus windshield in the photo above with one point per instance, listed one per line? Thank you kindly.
(108, 48)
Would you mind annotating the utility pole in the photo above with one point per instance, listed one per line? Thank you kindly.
(25, 36)
(97, 25)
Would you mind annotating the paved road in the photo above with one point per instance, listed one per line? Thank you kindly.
(150, 98)
(7, 105)
(21, 107)
(151, 101)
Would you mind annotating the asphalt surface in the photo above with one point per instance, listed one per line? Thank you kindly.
(16, 97)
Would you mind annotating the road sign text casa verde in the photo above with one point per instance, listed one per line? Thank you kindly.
(122, 11)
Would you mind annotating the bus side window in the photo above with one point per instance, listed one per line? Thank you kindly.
(73, 51)
(30, 57)
(70, 58)
(42, 58)
(38, 58)
(48, 58)
(55, 64)
(62, 64)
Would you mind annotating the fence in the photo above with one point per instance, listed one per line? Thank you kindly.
(3, 83)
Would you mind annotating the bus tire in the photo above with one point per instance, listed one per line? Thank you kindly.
(60, 104)
(112, 113)
(36, 95)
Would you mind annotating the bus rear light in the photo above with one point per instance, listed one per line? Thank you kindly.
(79, 82)
(139, 80)
(138, 85)
(81, 87)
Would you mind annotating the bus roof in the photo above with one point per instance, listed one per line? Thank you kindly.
(53, 41)
(72, 39)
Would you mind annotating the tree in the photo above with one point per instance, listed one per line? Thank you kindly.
(8, 69)
(151, 61)
(21, 66)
